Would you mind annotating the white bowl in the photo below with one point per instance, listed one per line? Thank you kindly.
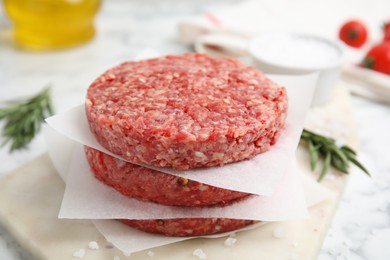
(288, 53)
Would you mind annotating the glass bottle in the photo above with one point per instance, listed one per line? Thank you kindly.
(51, 24)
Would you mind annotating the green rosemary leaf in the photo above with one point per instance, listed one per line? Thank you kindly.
(326, 165)
(337, 152)
(22, 120)
(325, 147)
(358, 164)
(306, 134)
(339, 164)
(313, 155)
(348, 150)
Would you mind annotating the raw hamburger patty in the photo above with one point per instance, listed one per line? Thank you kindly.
(150, 185)
(185, 111)
(188, 227)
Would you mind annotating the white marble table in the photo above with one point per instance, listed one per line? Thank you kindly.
(361, 228)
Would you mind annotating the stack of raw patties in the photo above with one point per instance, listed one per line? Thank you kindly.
(182, 112)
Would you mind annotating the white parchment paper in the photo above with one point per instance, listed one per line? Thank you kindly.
(64, 153)
(87, 198)
(130, 240)
(260, 175)
(60, 150)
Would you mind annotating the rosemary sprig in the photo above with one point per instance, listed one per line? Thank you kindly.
(23, 119)
(338, 157)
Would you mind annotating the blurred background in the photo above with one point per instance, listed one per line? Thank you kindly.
(68, 43)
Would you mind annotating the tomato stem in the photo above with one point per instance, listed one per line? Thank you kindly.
(368, 62)
(352, 34)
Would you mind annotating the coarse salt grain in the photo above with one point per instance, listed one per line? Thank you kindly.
(150, 253)
(117, 258)
(230, 241)
(294, 243)
(93, 245)
(79, 253)
(199, 253)
(126, 253)
(278, 232)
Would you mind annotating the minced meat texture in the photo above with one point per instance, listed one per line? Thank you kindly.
(185, 227)
(150, 185)
(186, 111)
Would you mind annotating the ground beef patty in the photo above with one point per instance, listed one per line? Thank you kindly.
(150, 185)
(188, 227)
(185, 111)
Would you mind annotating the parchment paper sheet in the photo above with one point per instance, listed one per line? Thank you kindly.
(260, 175)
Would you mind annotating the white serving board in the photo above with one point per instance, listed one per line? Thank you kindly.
(30, 199)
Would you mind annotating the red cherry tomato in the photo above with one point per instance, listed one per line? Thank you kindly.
(386, 32)
(378, 58)
(353, 33)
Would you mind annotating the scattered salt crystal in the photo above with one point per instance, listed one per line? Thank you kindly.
(340, 257)
(93, 245)
(230, 241)
(126, 254)
(294, 243)
(79, 253)
(150, 253)
(199, 253)
(117, 258)
(278, 232)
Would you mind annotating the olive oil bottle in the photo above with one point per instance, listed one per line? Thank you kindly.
(51, 24)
